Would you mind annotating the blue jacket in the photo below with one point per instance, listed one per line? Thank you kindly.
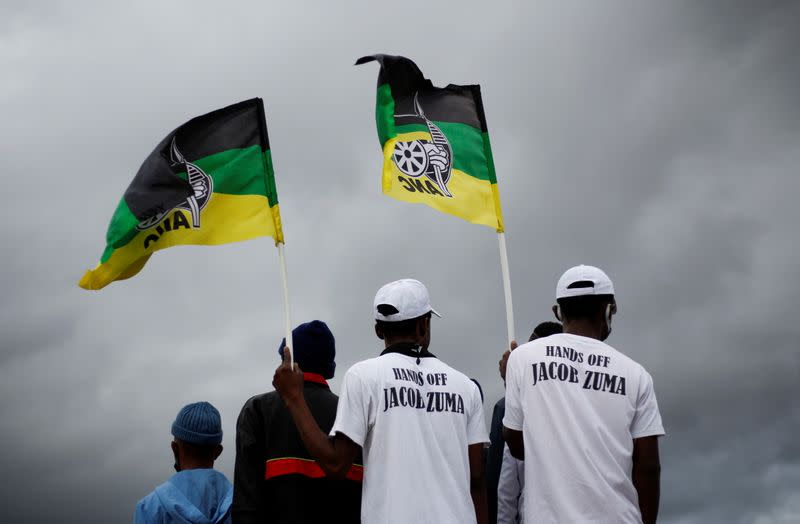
(195, 496)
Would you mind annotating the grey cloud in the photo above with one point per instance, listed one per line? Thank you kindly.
(659, 142)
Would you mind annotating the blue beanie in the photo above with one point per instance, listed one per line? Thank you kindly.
(198, 423)
(314, 348)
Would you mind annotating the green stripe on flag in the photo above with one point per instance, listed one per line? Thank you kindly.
(121, 229)
(384, 114)
(487, 148)
(269, 179)
(240, 172)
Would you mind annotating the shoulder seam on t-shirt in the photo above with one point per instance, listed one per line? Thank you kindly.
(654, 432)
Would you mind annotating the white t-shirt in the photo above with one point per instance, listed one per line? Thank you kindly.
(510, 490)
(579, 404)
(414, 423)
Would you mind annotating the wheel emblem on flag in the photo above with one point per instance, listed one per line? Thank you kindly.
(201, 183)
(411, 158)
(432, 158)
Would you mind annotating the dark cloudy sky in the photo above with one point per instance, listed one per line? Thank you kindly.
(659, 141)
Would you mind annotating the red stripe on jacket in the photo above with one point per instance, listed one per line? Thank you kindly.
(307, 468)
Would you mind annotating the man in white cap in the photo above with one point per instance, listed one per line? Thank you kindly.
(583, 416)
(418, 421)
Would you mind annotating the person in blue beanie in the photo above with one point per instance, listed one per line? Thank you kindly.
(276, 479)
(197, 493)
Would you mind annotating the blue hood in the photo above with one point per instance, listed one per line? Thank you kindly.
(195, 496)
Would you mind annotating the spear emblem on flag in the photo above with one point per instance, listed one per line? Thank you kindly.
(200, 182)
(202, 186)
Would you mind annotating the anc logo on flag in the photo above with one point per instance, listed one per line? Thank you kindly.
(432, 159)
(435, 143)
(217, 167)
(202, 185)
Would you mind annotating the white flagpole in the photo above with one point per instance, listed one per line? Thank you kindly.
(286, 316)
(501, 237)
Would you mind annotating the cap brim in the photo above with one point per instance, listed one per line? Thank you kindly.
(433, 311)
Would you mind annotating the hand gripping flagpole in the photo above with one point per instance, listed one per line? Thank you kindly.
(501, 237)
(286, 317)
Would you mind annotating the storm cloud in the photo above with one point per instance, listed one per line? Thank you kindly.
(657, 141)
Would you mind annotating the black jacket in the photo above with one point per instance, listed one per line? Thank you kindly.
(275, 479)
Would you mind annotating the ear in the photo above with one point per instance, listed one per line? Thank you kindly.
(557, 312)
(378, 332)
(423, 326)
(611, 310)
(218, 451)
(176, 456)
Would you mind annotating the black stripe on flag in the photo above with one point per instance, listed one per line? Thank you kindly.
(454, 103)
(156, 186)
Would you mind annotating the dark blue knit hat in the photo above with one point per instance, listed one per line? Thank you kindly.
(198, 423)
(314, 348)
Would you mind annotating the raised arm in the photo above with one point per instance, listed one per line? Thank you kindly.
(647, 476)
(335, 455)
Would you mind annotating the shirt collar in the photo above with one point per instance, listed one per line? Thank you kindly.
(409, 349)
(316, 378)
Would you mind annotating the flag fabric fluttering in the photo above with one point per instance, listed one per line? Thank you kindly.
(208, 182)
(435, 143)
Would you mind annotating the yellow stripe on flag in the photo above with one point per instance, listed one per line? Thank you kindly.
(226, 218)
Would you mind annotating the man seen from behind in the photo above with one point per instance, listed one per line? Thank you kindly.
(276, 479)
(583, 416)
(418, 421)
(197, 493)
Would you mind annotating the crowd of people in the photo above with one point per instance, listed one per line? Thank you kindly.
(574, 439)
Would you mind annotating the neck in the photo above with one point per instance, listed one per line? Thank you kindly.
(387, 342)
(190, 463)
(409, 349)
(583, 328)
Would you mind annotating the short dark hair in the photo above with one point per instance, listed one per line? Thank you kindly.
(583, 306)
(545, 329)
(200, 451)
(402, 328)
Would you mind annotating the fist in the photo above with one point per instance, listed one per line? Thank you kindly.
(437, 156)
(199, 188)
(504, 359)
(288, 379)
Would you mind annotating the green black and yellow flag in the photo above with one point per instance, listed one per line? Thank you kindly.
(208, 182)
(435, 143)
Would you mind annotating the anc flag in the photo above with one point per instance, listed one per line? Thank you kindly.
(208, 182)
(435, 143)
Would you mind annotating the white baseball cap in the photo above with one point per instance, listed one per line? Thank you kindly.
(593, 281)
(408, 296)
